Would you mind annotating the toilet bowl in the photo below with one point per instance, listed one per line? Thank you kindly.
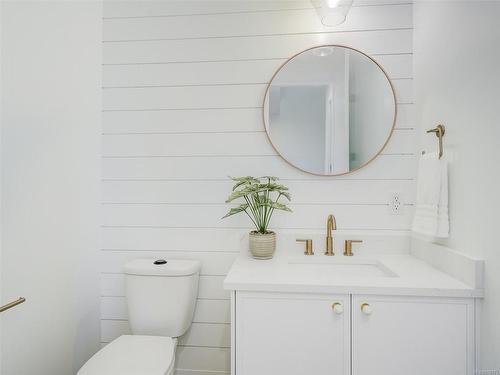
(161, 297)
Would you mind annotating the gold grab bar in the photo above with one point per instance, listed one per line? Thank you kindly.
(439, 131)
(12, 304)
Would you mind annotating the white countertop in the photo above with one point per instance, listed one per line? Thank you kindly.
(410, 276)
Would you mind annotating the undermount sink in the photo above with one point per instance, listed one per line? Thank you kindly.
(343, 267)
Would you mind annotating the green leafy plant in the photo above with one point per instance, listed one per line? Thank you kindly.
(261, 196)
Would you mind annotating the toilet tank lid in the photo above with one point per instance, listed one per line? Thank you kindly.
(162, 267)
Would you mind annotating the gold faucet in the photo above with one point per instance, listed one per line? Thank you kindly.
(331, 225)
(309, 246)
(348, 247)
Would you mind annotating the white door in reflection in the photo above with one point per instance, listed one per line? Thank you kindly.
(298, 127)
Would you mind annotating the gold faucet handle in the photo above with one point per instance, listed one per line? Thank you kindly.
(309, 246)
(348, 247)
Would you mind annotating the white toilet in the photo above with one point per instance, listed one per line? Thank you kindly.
(161, 297)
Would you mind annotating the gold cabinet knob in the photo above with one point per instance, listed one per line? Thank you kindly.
(366, 309)
(337, 308)
(309, 246)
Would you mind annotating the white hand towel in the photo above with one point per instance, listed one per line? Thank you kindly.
(431, 211)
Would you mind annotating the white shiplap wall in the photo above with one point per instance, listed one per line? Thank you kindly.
(183, 88)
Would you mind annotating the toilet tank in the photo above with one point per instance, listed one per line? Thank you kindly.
(161, 295)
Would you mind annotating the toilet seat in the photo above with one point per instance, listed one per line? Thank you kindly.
(133, 355)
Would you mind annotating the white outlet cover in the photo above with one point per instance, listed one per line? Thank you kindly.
(396, 204)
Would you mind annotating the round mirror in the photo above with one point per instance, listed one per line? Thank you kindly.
(329, 110)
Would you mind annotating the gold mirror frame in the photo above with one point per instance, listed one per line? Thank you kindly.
(306, 50)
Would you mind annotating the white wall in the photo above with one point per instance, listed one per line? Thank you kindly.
(51, 114)
(457, 58)
(183, 89)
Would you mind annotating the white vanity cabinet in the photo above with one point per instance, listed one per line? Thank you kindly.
(291, 334)
(297, 334)
(412, 336)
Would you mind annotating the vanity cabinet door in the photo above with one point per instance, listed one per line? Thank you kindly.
(412, 336)
(292, 334)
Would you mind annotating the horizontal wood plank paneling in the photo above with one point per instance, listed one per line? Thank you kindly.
(186, 168)
(184, 121)
(380, 42)
(206, 121)
(216, 192)
(357, 216)
(152, 8)
(187, 144)
(197, 73)
(148, 8)
(173, 239)
(293, 21)
(183, 83)
(217, 144)
(406, 115)
(200, 334)
(222, 72)
(207, 334)
(207, 311)
(216, 96)
(203, 360)
(112, 329)
(153, 98)
(192, 241)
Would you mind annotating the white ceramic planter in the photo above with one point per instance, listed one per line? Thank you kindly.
(262, 246)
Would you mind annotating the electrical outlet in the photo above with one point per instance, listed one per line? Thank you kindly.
(396, 204)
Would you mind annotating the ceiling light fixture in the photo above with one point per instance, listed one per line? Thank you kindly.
(332, 12)
(333, 3)
(322, 51)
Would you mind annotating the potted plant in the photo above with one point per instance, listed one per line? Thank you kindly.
(261, 197)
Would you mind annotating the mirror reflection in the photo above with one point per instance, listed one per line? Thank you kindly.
(329, 110)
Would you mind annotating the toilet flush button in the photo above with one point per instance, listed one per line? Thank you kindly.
(160, 261)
